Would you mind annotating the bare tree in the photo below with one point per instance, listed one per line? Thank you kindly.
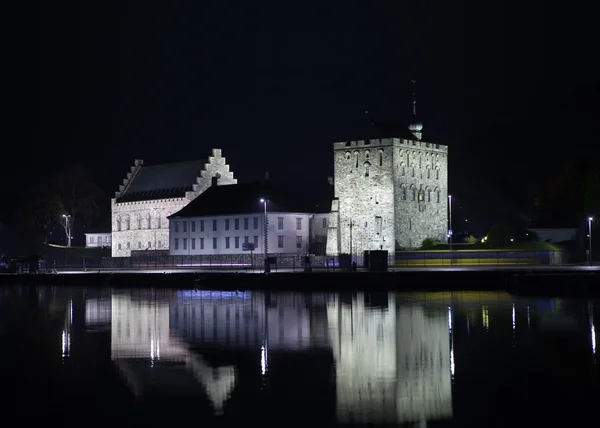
(68, 197)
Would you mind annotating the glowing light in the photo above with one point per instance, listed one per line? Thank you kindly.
(485, 317)
(263, 358)
(152, 349)
(513, 316)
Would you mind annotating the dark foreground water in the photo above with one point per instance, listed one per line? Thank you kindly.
(101, 357)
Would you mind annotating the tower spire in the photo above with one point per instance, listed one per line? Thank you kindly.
(416, 126)
(414, 94)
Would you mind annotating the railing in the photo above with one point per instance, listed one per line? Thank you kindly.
(480, 258)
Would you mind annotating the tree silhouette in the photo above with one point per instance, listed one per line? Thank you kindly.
(71, 192)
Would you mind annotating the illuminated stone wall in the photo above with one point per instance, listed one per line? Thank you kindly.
(393, 191)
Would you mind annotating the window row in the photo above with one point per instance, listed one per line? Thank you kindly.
(139, 245)
(426, 195)
(429, 173)
(354, 158)
(98, 239)
(124, 223)
(228, 242)
(228, 224)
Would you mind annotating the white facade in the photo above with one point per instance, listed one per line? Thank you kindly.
(288, 233)
(98, 240)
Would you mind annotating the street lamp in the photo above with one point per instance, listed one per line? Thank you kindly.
(450, 225)
(590, 240)
(266, 236)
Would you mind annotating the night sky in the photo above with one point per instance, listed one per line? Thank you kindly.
(511, 87)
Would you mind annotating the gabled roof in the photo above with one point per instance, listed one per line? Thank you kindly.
(245, 198)
(170, 180)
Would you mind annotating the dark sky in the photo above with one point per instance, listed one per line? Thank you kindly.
(511, 87)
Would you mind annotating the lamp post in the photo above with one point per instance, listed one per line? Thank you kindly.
(450, 225)
(266, 236)
(590, 238)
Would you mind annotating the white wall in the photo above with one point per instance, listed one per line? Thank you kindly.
(98, 240)
(181, 230)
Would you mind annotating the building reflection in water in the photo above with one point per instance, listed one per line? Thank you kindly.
(140, 337)
(66, 333)
(392, 363)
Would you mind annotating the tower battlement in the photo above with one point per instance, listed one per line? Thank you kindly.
(386, 142)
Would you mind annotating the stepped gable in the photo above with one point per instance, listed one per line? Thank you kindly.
(171, 180)
(245, 198)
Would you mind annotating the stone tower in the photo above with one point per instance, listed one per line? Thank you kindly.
(391, 192)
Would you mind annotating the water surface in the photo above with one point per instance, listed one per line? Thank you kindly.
(154, 357)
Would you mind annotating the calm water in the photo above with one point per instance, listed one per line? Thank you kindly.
(95, 357)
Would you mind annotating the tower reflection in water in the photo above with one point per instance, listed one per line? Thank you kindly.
(392, 363)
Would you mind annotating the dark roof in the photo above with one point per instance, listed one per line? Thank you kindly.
(245, 198)
(170, 180)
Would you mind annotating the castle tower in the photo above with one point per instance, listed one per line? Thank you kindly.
(390, 191)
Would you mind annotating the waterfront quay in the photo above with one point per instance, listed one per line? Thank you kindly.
(567, 280)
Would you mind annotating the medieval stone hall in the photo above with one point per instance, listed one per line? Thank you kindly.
(149, 194)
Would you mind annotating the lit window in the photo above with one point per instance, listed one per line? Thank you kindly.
(280, 241)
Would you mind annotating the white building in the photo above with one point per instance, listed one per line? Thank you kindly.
(98, 240)
(229, 220)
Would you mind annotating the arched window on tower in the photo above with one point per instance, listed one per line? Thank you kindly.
(402, 169)
(118, 223)
(139, 221)
(437, 195)
(348, 155)
(427, 194)
(437, 172)
(149, 221)
(356, 159)
(380, 157)
(403, 192)
(421, 196)
(413, 193)
(127, 222)
(412, 170)
(367, 153)
(367, 169)
(428, 172)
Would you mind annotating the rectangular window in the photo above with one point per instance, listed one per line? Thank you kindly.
(202, 243)
(246, 223)
(226, 224)
(177, 243)
(280, 241)
(237, 223)
(298, 242)
(176, 226)
(299, 224)
(185, 243)
(324, 222)
(246, 239)
(193, 223)
(227, 242)
(279, 223)
(193, 243)
(378, 225)
(255, 222)
(185, 227)
(214, 243)
(256, 242)
(201, 225)
(237, 242)
(214, 225)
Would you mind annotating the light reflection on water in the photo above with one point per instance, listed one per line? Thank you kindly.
(393, 357)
